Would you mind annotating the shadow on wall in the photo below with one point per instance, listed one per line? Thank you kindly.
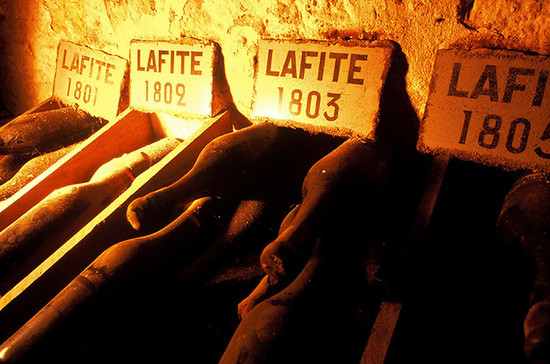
(398, 119)
(399, 125)
(18, 79)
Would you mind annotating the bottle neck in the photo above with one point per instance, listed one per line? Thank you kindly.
(138, 165)
(119, 179)
(129, 164)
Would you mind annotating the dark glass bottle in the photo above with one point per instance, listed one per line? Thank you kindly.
(318, 318)
(525, 221)
(356, 170)
(37, 233)
(237, 164)
(127, 262)
(43, 132)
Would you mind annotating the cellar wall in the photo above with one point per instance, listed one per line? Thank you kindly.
(30, 31)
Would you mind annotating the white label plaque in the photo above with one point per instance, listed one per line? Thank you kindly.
(491, 107)
(327, 85)
(90, 78)
(171, 77)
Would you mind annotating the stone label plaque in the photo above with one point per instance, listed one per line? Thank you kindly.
(171, 76)
(489, 106)
(334, 86)
(89, 78)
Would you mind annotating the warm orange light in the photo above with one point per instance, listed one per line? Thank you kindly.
(173, 126)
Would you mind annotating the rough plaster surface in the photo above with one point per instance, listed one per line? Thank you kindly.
(31, 29)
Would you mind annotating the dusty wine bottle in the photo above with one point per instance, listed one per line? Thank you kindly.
(313, 320)
(251, 226)
(117, 267)
(31, 170)
(356, 168)
(265, 288)
(9, 165)
(537, 333)
(236, 164)
(287, 221)
(42, 229)
(261, 292)
(525, 220)
(43, 132)
(245, 218)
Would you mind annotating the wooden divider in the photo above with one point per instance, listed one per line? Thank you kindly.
(130, 131)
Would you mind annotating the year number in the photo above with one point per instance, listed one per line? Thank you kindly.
(309, 104)
(492, 133)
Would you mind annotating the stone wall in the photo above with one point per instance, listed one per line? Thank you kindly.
(31, 29)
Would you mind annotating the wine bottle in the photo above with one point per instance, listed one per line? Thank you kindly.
(247, 217)
(236, 164)
(524, 221)
(265, 288)
(9, 165)
(153, 153)
(252, 225)
(42, 229)
(261, 292)
(287, 221)
(355, 171)
(43, 132)
(249, 229)
(126, 263)
(536, 328)
(316, 319)
(32, 169)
